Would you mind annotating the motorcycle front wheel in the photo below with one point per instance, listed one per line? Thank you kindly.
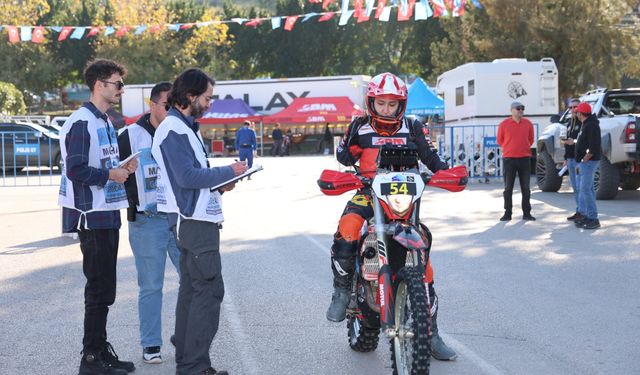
(411, 347)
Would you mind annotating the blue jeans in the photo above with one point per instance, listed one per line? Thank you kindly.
(572, 164)
(246, 154)
(587, 171)
(151, 240)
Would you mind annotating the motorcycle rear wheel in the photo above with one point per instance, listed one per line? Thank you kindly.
(411, 354)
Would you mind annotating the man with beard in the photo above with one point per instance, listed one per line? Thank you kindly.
(92, 194)
(195, 215)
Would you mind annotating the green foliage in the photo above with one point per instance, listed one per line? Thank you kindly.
(11, 100)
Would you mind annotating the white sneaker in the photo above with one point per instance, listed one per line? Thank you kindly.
(151, 355)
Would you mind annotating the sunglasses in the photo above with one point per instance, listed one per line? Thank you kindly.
(119, 84)
(573, 107)
(520, 108)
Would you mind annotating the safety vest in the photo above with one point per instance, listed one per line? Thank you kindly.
(147, 172)
(103, 154)
(209, 204)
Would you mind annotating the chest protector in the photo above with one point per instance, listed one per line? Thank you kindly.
(103, 154)
(147, 172)
(370, 142)
(209, 204)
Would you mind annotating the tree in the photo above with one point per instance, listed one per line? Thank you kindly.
(583, 37)
(11, 100)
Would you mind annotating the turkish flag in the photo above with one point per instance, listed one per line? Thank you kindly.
(64, 34)
(357, 8)
(122, 31)
(155, 28)
(380, 8)
(254, 22)
(185, 26)
(38, 34)
(405, 13)
(93, 31)
(288, 24)
(14, 35)
(326, 17)
(326, 3)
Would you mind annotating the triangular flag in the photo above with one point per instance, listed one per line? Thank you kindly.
(308, 16)
(78, 33)
(291, 20)
(357, 8)
(64, 33)
(370, 4)
(254, 23)
(422, 11)
(275, 22)
(140, 29)
(380, 8)
(56, 28)
(155, 28)
(122, 31)
(439, 9)
(477, 4)
(386, 13)
(14, 35)
(109, 30)
(174, 27)
(25, 33)
(326, 3)
(186, 26)
(326, 17)
(458, 7)
(95, 30)
(239, 21)
(406, 10)
(38, 34)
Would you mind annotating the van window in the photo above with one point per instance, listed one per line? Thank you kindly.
(460, 95)
(471, 87)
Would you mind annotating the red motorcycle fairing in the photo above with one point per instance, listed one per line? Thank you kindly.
(385, 296)
(453, 179)
(336, 183)
(410, 238)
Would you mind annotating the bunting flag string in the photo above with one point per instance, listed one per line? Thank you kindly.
(362, 11)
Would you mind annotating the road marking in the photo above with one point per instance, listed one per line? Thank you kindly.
(243, 343)
(318, 244)
(469, 354)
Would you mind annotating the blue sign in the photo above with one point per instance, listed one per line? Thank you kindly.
(490, 142)
(26, 149)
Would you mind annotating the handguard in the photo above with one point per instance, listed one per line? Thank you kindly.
(336, 183)
(453, 179)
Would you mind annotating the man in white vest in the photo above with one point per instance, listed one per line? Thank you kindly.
(92, 194)
(195, 213)
(150, 237)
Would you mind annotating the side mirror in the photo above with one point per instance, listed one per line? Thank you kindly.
(554, 119)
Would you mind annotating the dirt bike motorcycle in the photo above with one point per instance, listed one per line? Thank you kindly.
(390, 291)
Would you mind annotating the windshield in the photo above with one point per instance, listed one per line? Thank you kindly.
(623, 103)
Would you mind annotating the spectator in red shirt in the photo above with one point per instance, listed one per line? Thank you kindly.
(515, 136)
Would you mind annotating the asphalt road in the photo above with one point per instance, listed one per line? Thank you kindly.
(515, 298)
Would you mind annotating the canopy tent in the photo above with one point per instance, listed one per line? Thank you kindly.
(422, 101)
(229, 111)
(316, 110)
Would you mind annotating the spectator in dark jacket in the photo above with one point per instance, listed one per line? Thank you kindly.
(573, 129)
(588, 154)
(277, 136)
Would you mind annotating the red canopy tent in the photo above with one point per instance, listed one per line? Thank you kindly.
(316, 110)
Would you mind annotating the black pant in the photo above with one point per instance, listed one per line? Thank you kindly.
(522, 167)
(99, 255)
(200, 295)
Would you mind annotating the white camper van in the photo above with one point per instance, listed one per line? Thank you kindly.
(477, 97)
(266, 96)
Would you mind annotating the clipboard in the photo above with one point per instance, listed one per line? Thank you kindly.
(249, 172)
(131, 157)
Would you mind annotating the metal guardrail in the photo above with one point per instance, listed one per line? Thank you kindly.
(29, 158)
(474, 146)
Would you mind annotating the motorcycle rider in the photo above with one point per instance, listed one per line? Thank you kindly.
(384, 123)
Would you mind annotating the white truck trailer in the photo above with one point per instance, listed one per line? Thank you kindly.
(477, 97)
(266, 96)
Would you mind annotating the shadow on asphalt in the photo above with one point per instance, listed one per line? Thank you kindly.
(32, 247)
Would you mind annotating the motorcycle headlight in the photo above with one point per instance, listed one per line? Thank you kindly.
(400, 203)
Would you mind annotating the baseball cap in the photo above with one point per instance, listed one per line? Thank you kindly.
(584, 108)
(516, 105)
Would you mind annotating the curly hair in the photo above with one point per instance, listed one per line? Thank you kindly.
(101, 69)
(190, 82)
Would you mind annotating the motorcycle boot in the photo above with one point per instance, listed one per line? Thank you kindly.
(439, 350)
(343, 261)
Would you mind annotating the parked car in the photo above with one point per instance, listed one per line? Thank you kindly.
(24, 144)
(619, 113)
